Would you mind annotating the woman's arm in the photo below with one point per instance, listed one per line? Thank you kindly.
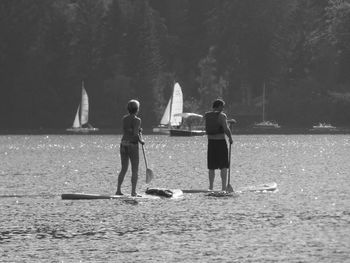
(137, 130)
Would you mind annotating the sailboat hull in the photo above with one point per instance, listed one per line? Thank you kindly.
(181, 132)
(266, 125)
(323, 127)
(161, 130)
(82, 130)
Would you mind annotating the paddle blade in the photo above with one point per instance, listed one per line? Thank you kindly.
(149, 175)
(229, 188)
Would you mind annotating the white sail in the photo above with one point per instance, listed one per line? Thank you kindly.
(166, 116)
(76, 123)
(175, 106)
(84, 111)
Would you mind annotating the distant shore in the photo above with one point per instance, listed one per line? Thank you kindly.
(236, 131)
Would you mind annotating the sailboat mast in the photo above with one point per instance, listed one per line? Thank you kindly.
(263, 113)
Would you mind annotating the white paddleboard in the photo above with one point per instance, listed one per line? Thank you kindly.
(268, 187)
(177, 193)
(85, 196)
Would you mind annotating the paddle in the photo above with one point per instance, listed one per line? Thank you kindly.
(149, 172)
(229, 187)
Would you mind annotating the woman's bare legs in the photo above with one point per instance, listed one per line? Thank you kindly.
(134, 159)
(125, 164)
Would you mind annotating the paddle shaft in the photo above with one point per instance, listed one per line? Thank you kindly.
(149, 172)
(143, 151)
(144, 156)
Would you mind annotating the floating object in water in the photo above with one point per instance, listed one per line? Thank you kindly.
(151, 193)
(267, 187)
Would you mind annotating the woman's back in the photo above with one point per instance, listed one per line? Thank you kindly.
(131, 126)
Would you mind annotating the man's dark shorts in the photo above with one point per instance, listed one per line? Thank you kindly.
(217, 154)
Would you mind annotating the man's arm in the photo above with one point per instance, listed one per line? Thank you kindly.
(227, 131)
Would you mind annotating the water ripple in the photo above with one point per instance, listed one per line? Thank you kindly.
(305, 221)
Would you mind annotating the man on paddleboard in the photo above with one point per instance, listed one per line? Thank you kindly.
(129, 146)
(217, 156)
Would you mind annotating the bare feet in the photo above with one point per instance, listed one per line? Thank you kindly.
(119, 193)
(135, 195)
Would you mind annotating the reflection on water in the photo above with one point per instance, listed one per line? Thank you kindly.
(306, 220)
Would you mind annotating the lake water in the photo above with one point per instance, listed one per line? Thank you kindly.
(306, 220)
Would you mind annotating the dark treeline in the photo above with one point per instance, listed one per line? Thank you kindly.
(125, 49)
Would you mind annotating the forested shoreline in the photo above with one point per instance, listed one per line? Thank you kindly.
(123, 49)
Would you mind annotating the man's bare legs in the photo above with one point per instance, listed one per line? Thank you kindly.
(211, 179)
(223, 174)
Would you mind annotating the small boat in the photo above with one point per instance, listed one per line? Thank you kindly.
(182, 132)
(175, 106)
(265, 124)
(191, 125)
(81, 121)
(323, 126)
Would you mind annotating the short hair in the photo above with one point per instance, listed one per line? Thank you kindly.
(217, 103)
(133, 106)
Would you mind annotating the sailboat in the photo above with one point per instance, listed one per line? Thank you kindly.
(81, 121)
(174, 106)
(265, 124)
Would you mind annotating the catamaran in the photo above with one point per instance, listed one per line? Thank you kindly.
(265, 124)
(175, 106)
(191, 125)
(81, 121)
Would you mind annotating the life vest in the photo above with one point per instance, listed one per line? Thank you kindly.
(212, 125)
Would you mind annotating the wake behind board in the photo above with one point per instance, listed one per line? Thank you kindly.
(268, 187)
(176, 193)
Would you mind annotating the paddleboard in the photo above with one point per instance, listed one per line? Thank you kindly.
(267, 187)
(177, 193)
(85, 196)
(222, 194)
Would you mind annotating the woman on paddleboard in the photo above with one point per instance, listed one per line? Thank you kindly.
(217, 156)
(129, 146)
